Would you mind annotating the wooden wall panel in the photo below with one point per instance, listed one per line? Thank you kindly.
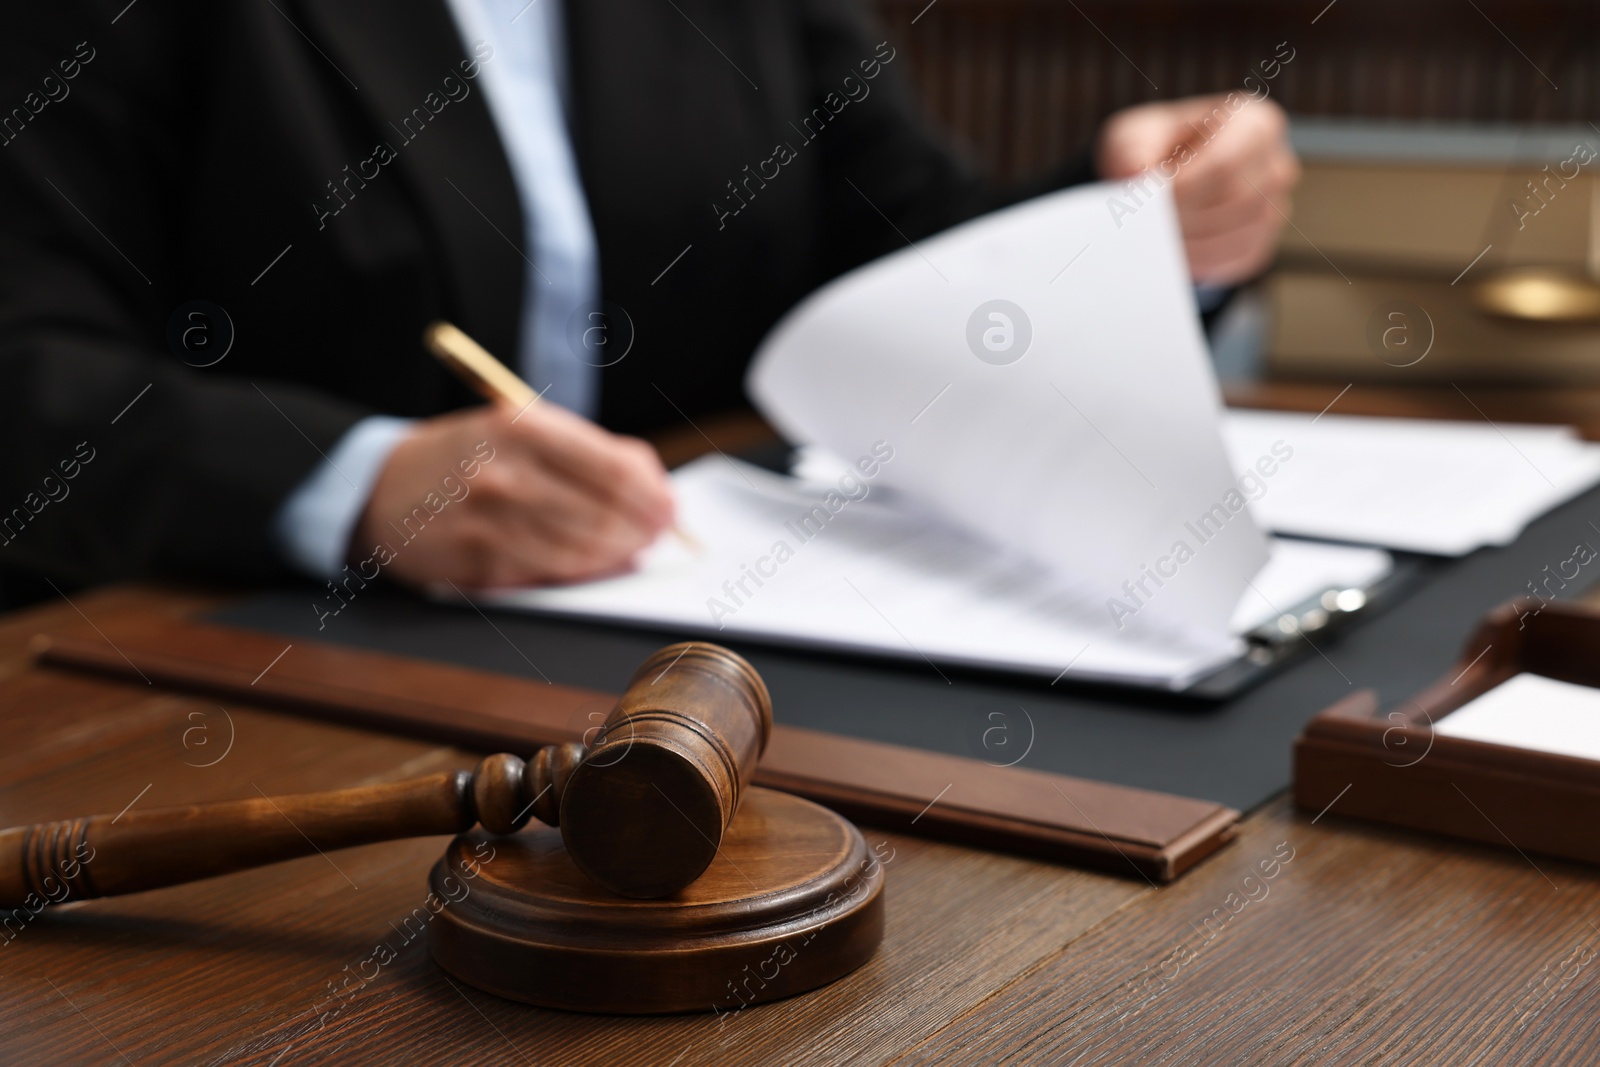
(1023, 83)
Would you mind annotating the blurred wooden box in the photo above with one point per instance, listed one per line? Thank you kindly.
(1370, 329)
(1406, 240)
(1359, 759)
(1432, 220)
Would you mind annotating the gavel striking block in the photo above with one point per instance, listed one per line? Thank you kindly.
(793, 900)
(642, 810)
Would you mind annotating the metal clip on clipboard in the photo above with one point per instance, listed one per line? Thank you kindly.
(1292, 632)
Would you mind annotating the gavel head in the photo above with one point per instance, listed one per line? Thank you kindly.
(643, 810)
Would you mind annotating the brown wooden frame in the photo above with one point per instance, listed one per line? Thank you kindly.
(1129, 831)
(1356, 759)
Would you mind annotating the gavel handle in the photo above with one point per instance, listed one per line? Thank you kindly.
(105, 855)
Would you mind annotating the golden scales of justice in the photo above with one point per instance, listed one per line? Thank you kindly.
(669, 880)
(1538, 294)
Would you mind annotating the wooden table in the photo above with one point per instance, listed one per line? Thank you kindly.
(1366, 945)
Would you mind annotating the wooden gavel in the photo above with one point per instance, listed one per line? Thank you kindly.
(642, 810)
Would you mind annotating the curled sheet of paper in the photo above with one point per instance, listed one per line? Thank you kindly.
(1041, 375)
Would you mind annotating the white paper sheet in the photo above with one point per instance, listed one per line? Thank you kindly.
(1422, 485)
(1076, 424)
(1532, 711)
(878, 578)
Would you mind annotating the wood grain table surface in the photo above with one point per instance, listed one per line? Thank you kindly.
(1308, 940)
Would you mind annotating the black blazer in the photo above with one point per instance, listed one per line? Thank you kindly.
(327, 172)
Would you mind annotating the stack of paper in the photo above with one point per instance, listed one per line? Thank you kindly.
(1532, 711)
(1421, 485)
(779, 563)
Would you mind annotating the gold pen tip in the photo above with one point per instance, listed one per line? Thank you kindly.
(433, 331)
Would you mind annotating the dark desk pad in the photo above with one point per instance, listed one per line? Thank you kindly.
(1236, 752)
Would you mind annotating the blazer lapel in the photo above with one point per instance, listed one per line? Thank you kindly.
(397, 52)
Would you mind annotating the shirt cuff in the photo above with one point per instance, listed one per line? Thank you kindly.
(315, 523)
(1210, 297)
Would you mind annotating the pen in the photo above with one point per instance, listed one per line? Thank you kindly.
(493, 380)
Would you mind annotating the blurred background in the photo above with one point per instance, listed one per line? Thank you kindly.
(1446, 228)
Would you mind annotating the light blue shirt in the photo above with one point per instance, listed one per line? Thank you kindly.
(524, 83)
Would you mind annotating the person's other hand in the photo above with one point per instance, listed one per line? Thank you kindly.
(1231, 168)
(485, 497)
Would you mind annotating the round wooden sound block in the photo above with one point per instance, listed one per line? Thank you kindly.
(792, 901)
